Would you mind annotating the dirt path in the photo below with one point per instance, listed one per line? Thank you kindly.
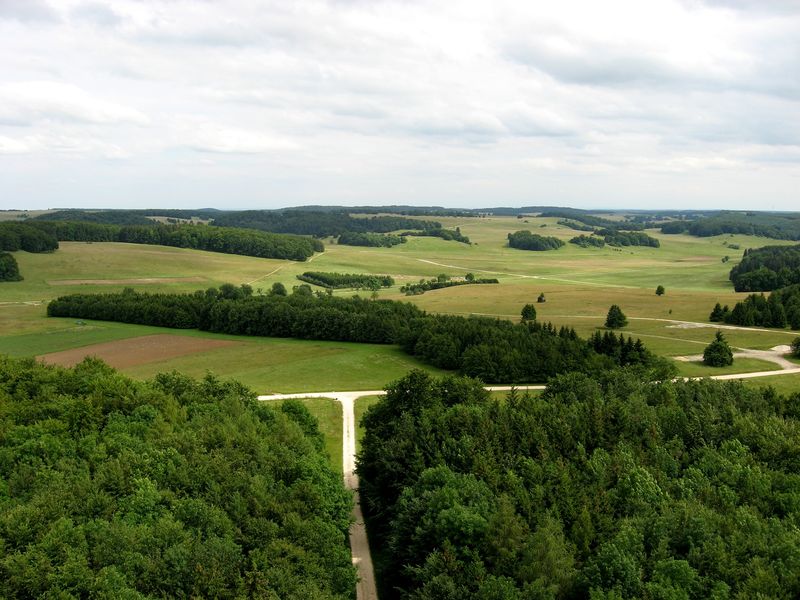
(775, 355)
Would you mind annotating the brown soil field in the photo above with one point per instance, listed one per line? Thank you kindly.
(135, 351)
(126, 281)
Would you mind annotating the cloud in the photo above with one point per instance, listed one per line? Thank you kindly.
(28, 11)
(33, 101)
(209, 137)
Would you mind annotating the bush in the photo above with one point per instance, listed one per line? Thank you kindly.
(660, 290)
(529, 312)
(616, 318)
(718, 353)
(9, 270)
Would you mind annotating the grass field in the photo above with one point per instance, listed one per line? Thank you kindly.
(328, 413)
(579, 285)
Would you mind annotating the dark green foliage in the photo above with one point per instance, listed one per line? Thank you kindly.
(319, 223)
(541, 298)
(528, 312)
(624, 351)
(782, 308)
(492, 349)
(199, 237)
(719, 314)
(766, 269)
(441, 282)
(660, 291)
(9, 270)
(525, 240)
(449, 235)
(586, 218)
(174, 488)
(718, 353)
(615, 318)
(27, 237)
(586, 241)
(346, 280)
(375, 240)
(775, 226)
(107, 217)
(604, 489)
(278, 289)
(796, 347)
(575, 225)
(628, 238)
(675, 227)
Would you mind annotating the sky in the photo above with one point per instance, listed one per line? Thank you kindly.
(260, 104)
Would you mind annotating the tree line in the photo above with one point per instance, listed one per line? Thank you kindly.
(448, 235)
(587, 241)
(346, 280)
(603, 488)
(766, 269)
(525, 240)
(23, 236)
(492, 349)
(614, 237)
(227, 240)
(775, 226)
(172, 488)
(9, 269)
(442, 281)
(780, 309)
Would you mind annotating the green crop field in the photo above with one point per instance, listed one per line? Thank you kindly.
(579, 285)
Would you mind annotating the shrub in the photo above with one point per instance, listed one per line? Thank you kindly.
(718, 353)
(616, 318)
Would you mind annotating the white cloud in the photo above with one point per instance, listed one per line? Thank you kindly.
(467, 103)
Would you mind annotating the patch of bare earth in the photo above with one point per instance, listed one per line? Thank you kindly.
(136, 351)
(126, 281)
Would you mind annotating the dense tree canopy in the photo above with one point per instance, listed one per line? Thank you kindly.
(601, 489)
(174, 488)
(588, 241)
(346, 280)
(766, 269)
(375, 240)
(780, 309)
(525, 240)
(23, 236)
(228, 240)
(614, 237)
(771, 225)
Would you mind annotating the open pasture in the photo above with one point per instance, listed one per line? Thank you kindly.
(579, 285)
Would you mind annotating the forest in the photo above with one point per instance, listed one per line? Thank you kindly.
(442, 281)
(492, 349)
(373, 240)
(227, 240)
(780, 309)
(771, 225)
(525, 240)
(604, 488)
(766, 269)
(172, 488)
(318, 224)
(346, 280)
(614, 237)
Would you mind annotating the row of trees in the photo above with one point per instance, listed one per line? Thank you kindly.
(588, 241)
(9, 270)
(448, 235)
(492, 349)
(525, 240)
(320, 223)
(617, 238)
(604, 488)
(775, 226)
(374, 240)
(766, 269)
(173, 488)
(22, 236)
(227, 240)
(346, 280)
(780, 309)
(442, 281)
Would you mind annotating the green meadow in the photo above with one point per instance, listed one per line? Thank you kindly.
(579, 285)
